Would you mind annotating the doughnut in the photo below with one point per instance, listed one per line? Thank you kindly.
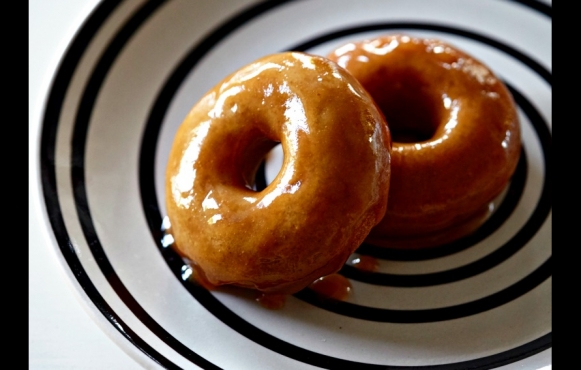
(455, 130)
(331, 190)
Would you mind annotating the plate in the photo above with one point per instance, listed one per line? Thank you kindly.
(125, 83)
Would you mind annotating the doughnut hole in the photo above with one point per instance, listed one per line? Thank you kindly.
(261, 162)
(252, 157)
(272, 164)
(412, 108)
(239, 165)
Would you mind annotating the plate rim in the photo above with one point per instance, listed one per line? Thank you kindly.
(100, 12)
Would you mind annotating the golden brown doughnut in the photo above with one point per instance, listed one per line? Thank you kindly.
(455, 130)
(331, 190)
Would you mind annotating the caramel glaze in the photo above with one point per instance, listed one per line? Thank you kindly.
(271, 301)
(455, 130)
(366, 263)
(331, 190)
(332, 287)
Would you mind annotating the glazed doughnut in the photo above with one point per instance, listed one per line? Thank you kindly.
(455, 130)
(331, 190)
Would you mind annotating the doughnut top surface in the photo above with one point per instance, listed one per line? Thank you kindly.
(332, 187)
(456, 135)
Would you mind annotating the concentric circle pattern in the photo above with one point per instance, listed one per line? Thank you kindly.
(127, 80)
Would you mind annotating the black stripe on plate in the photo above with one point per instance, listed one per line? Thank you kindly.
(328, 362)
(494, 300)
(50, 125)
(48, 148)
(80, 130)
(537, 5)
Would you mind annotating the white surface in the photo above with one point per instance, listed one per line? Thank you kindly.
(62, 335)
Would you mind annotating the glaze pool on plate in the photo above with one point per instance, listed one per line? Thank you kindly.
(107, 129)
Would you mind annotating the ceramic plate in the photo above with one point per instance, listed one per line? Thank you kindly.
(124, 85)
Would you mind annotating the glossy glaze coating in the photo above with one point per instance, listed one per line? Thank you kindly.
(332, 188)
(456, 137)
